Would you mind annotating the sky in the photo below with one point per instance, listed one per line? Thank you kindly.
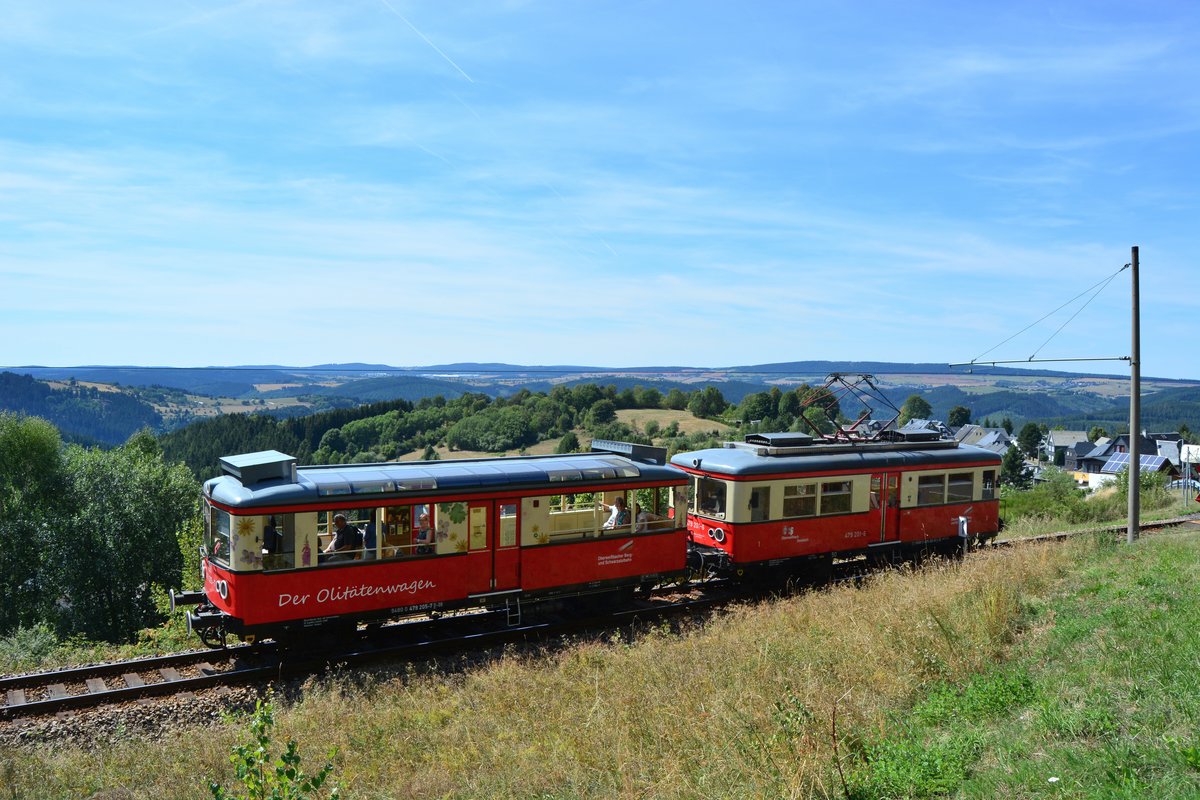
(188, 183)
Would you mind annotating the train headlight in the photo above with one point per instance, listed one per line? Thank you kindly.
(223, 589)
(717, 535)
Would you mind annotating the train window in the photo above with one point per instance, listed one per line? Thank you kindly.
(711, 497)
(508, 525)
(760, 503)
(653, 508)
(217, 537)
(989, 484)
(800, 500)
(559, 518)
(279, 541)
(835, 497)
(931, 490)
(960, 487)
(478, 527)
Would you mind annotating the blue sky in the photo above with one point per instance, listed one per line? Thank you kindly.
(707, 184)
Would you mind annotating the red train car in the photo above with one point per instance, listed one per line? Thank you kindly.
(491, 532)
(777, 499)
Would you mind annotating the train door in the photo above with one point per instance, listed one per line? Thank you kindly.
(885, 500)
(506, 553)
(479, 552)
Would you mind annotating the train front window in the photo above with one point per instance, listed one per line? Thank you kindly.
(217, 536)
(711, 497)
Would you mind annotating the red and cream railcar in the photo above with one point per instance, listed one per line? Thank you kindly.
(436, 535)
(775, 498)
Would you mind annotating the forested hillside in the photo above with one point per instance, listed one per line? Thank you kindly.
(1020, 405)
(200, 444)
(1166, 410)
(82, 413)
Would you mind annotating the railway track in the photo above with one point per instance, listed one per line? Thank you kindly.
(118, 682)
(136, 680)
(62, 690)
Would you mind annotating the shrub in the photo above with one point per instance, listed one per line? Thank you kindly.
(27, 647)
(265, 779)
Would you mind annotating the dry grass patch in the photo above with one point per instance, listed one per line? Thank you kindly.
(688, 422)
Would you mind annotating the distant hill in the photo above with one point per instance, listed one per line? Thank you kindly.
(82, 413)
(401, 387)
(1069, 399)
(212, 381)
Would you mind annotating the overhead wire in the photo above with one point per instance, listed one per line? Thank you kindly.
(1097, 287)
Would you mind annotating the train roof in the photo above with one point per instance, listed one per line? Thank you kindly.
(271, 478)
(775, 454)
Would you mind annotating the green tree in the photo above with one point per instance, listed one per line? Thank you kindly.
(676, 400)
(30, 486)
(915, 407)
(1096, 432)
(1007, 424)
(959, 416)
(648, 397)
(118, 541)
(708, 402)
(569, 443)
(602, 412)
(757, 406)
(1014, 471)
(1030, 439)
(789, 406)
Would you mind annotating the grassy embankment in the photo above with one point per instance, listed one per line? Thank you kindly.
(986, 678)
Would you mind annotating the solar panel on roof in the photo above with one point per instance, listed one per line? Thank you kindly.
(1120, 461)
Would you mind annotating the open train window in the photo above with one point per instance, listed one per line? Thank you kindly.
(279, 541)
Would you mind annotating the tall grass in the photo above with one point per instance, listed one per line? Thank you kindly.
(744, 706)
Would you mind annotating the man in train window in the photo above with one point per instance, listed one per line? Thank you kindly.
(346, 540)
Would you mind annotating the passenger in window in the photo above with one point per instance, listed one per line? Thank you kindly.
(271, 538)
(346, 540)
(645, 517)
(618, 513)
(424, 536)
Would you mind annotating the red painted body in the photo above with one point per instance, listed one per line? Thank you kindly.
(885, 522)
(353, 588)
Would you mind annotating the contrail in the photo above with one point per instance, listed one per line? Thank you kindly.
(449, 61)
